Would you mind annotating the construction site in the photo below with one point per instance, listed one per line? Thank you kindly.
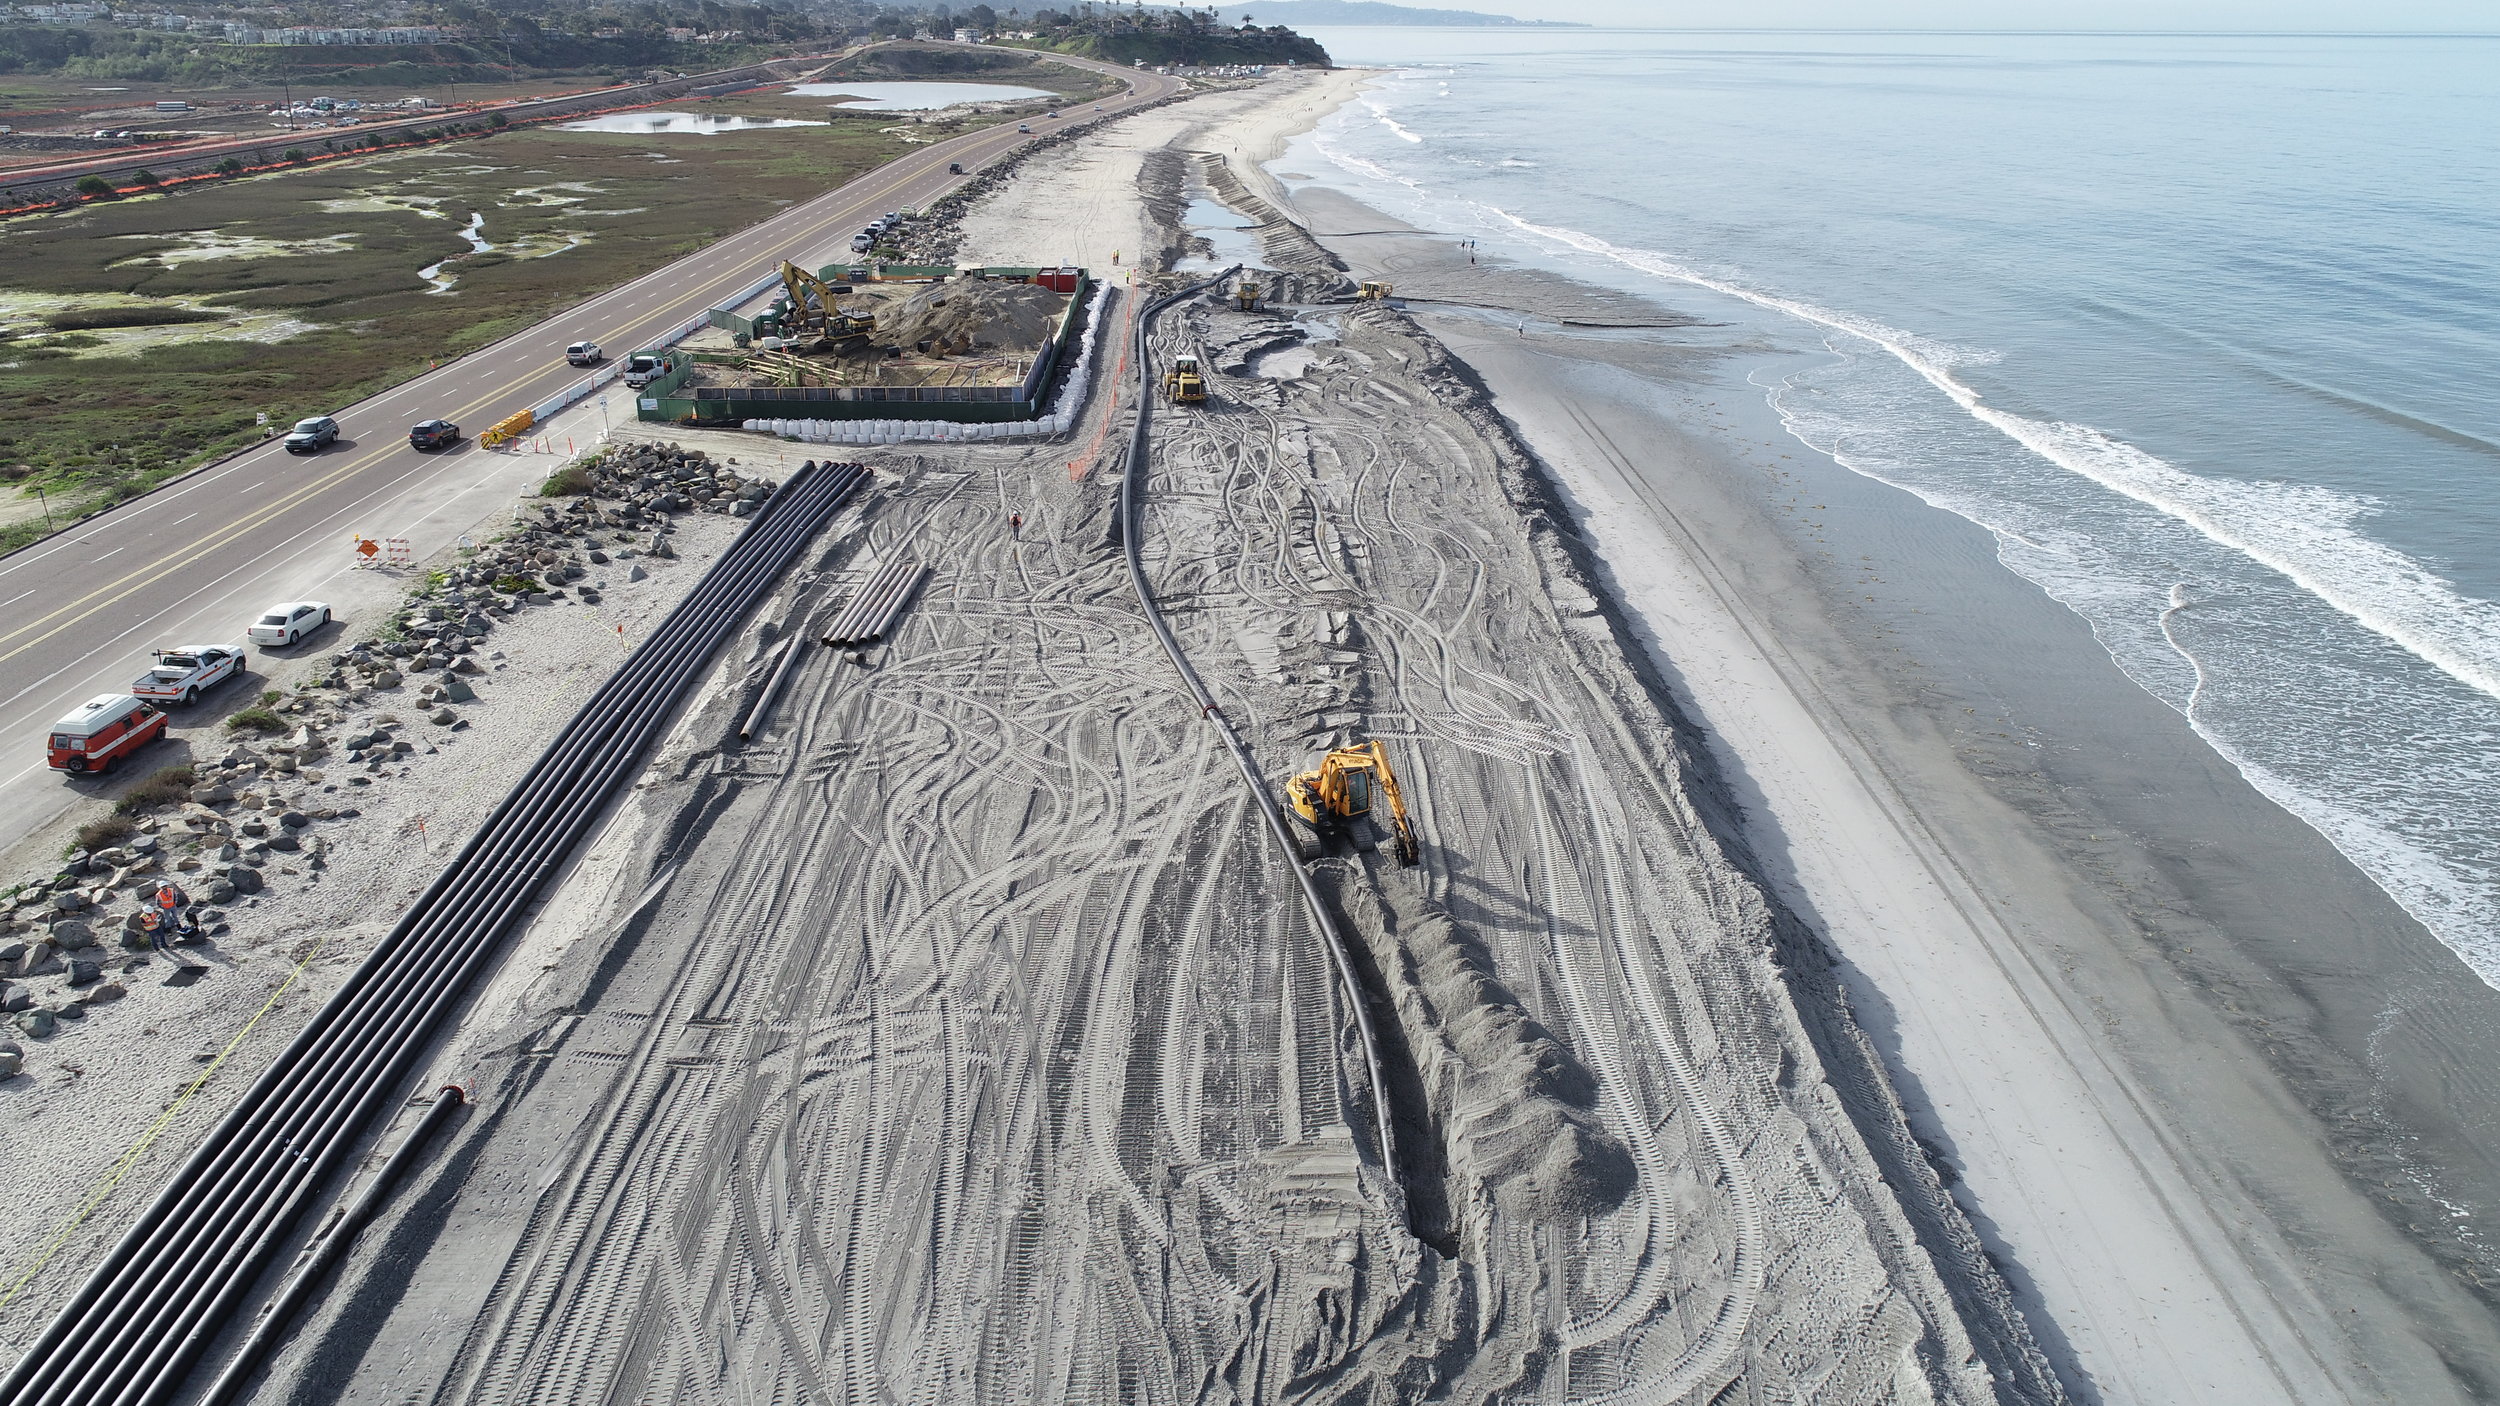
(1211, 906)
(973, 345)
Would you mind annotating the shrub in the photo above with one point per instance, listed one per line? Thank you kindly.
(295, 154)
(259, 720)
(571, 481)
(94, 186)
(96, 834)
(497, 119)
(164, 787)
(271, 695)
(230, 166)
(515, 585)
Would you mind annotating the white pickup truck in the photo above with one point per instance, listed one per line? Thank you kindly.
(182, 674)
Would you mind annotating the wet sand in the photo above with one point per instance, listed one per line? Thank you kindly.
(2214, 1099)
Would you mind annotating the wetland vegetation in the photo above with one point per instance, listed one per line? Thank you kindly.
(142, 336)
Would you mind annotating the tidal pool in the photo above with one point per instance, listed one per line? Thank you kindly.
(646, 122)
(916, 97)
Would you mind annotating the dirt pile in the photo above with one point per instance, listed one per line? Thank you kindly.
(968, 315)
(1515, 1103)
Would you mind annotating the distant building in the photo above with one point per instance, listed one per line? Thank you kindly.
(967, 36)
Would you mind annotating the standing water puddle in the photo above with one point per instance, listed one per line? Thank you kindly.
(1228, 234)
(472, 232)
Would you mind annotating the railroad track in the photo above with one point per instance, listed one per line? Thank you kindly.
(133, 1333)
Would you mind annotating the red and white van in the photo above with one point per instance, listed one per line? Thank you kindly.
(102, 731)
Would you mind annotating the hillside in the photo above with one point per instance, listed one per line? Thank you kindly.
(1370, 12)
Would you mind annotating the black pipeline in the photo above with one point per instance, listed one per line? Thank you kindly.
(1133, 475)
(132, 1332)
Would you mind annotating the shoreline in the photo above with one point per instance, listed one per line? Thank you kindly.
(2175, 1056)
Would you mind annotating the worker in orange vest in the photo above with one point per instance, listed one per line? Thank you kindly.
(174, 907)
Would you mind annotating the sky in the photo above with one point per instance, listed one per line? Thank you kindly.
(2443, 16)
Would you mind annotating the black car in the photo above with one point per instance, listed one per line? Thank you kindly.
(434, 434)
(310, 435)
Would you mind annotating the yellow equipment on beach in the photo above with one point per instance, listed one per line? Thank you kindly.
(1345, 785)
(1373, 292)
(1246, 293)
(1184, 383)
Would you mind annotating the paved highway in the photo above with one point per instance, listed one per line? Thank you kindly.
(196, 561)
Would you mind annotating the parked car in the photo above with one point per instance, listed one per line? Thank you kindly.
(182, 674)
(584, 354)
(100, 732)
(289, 623)
(309, 436)
(641, 369)
(433, 434)
(863, 242)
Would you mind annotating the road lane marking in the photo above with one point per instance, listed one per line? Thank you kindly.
(851, 203)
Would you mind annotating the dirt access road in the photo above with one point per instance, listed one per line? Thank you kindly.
(199, 559)
(960, 1037)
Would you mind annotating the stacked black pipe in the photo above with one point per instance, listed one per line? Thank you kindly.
(134, 1330)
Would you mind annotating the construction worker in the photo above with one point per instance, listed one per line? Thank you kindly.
(159, 929)
(175, 905)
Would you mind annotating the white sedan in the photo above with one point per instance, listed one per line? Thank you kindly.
(286, 624)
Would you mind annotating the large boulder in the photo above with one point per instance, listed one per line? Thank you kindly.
(38, 1023)
(72, 936)
(243, 878)
(85, 973)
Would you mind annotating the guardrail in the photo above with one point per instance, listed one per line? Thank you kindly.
(132, 1333)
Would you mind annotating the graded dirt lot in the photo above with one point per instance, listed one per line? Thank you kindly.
(958, 1036)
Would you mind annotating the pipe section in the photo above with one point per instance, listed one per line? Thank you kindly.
(129, 1335)
(1132, 514)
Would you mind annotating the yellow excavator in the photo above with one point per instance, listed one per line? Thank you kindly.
(812, 307)
(1345, 785)
(1246, 294)
(1184, 383)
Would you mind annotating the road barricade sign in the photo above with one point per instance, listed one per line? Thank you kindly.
(507, 429)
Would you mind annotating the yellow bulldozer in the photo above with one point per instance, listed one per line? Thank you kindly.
(1373, 292)
(1184, 383)
(1345, 786)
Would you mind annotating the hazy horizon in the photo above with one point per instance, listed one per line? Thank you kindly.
(2151, 16)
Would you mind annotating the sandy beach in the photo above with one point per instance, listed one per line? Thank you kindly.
(1829, 977)
(2200, 1081)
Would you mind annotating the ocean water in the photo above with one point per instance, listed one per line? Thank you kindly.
(2206, 330)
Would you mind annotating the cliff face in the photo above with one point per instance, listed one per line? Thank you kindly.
(1119, 42)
